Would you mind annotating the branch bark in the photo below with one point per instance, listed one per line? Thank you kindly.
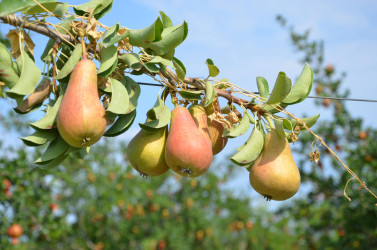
(39, 28)
(227, 95)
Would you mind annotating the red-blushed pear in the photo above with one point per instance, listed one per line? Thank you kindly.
(188, 151)
(199, 115)
(215, 127)
(275, 174)
(145, 152)
(81, 117)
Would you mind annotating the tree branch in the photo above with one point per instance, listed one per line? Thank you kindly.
(39, 28)
(227, 95)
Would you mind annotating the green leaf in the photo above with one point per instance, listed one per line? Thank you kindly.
(302, 87)
(213, 70)
(171, 38)
(272, 108)
(133, 89)
(49, 5)
(119, 98)
(8, 74)
(310, 121)
(158, 117)
(48, 121)
(55, 149)
(160, 60)
(180, 69)
(108, 60)
(280, 90)
(279, 127)
(210, 94)
(132, 60)
(29, 78)
(166, 21)
(12, 6)
(61, 28)
(121, 125)
(251, 149)
(240, 129)
(191, 95)
(152, 67)
(287, 125)
(110, 34)
(71, 63)
(99, 7)
(144, 37)
(39, 138)
(61, 9)
(263, 87)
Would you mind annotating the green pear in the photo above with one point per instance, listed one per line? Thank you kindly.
(188, 150)
(275, 174)
(146, 150)
(81, 117)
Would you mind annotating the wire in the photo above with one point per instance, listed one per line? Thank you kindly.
(313, 97)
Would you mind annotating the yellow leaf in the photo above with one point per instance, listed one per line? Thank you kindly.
(14, 37)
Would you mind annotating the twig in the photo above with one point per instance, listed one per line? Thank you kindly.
(39, 28)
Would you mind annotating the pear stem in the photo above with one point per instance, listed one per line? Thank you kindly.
(268, 118)
(83, 48)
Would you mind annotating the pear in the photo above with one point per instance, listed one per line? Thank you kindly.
(215, 127)
(188, 150)
(275, 174)
(81, 117)
(146, 150)
(199, 115)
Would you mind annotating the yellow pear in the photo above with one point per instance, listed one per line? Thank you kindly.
(146, 152)
(275, 174)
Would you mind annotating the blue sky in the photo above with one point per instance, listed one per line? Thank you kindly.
(244, 40)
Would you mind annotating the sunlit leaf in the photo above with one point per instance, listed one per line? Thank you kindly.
(309, 121)
(263, 87)
(132, 60)
(144, 37)
(133, 89)
(48, 121)
(212, 69)
(302, 87)
(108, 60)
(191, 95)
(71, 63)
(12, 6)
(180, 69)
(280, 90)
(99, 8)
(28, 80)
(171, 38)
(210, 94)
(40, 137)
(251, 149)
(158, 117)
(119, 98)
(240, 129)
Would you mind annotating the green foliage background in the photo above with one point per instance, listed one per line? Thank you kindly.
(104, 204)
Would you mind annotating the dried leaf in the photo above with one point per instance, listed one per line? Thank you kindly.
(123, 44)
(232, 118)
(314, 156)
(91, 29)
(41, 92)
(14, 37)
